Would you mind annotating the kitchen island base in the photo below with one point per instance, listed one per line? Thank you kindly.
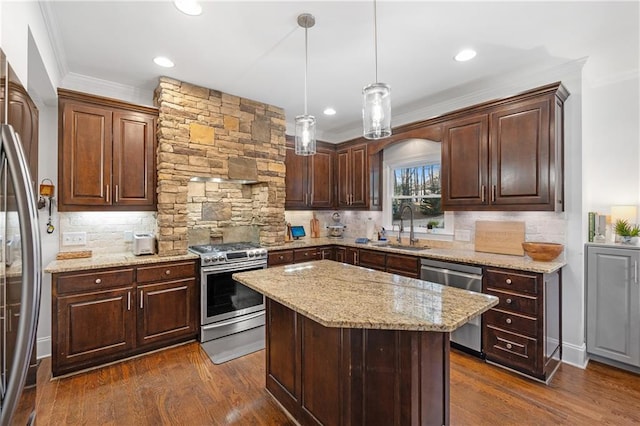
(348, 376)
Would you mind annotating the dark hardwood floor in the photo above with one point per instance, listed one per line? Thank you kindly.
(181, 386)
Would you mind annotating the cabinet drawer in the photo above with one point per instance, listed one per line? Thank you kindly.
(372, 259)
(511, 281)
(510, 349)
(406, 265)
(512, 302)
(512, 322)
(304, 255)
(167, 271)
(94, 281)
(282, 257)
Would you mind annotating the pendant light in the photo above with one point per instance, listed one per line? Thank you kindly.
(305, 124)
(376, 100)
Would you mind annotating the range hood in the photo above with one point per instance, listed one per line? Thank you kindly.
(222, 180)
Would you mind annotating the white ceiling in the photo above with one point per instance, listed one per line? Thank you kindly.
(256, 49)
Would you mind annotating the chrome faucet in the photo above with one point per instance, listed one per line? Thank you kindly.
(412, 239)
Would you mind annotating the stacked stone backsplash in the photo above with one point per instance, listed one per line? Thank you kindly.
(209, 134)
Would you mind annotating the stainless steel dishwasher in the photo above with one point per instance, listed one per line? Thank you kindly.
(469, 336)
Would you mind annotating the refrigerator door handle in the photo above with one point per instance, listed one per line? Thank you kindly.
(11, 149)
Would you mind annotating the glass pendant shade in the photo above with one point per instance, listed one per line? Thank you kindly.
(305, 143)
(376, 111)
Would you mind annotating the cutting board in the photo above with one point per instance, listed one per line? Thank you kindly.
(502, 237)
(64, 255)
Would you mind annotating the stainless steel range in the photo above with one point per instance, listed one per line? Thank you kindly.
(232, 315)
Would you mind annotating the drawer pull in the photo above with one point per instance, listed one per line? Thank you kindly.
(508, 321)
(306, 254)
(98, 280)
(509, 346)
(508, 281)
(281, 257)
(508, 301)
(167, 272)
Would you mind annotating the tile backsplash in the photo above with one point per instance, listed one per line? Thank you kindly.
(105, 231)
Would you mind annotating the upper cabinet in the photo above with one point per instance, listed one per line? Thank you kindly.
(352, 177)
(506, 155)
(309, 181)
(106, 154)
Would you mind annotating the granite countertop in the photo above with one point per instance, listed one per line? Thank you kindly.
(346, 296)
(523, 263)
(111, 260)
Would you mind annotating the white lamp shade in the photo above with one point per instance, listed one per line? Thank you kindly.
(628, 213)
(376, 111)
(305, 143)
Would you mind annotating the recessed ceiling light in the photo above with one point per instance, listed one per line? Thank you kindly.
(465, 55)
(163, 62)
(329, 111)
(188, 7)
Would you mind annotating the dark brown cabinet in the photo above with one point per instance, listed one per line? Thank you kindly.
(523, 332)
(106, 154)
(372, 259)
(401, 264)
(280, 257)
(506, 156)
(167, 307)
(309, 182)
(352, 177)
(287, 257)
(104, 315)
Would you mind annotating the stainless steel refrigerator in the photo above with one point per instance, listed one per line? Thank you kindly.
(20, 269)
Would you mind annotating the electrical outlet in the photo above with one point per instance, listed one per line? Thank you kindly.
(462, 235)
(128, 236)
(74, 238)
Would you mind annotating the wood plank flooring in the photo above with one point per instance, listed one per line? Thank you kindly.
(181, 386)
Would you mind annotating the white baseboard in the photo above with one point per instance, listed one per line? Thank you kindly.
(575, 355)
(43, 347)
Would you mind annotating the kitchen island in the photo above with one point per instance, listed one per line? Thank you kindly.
(349, 345)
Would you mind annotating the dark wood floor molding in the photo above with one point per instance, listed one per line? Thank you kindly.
(181, 386)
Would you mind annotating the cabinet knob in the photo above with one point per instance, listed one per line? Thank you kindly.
(508, 301)
(281, 257)
(508, 320)
(306, 254)
(509, 345)
(98, 280)
(508, 281)
(167, 272)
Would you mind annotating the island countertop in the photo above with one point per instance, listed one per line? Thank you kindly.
(346, 296)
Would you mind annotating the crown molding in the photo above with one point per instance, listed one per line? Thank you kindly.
(55, 37)
(472, 93)
(100, 87)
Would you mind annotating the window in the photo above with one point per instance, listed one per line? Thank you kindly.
(418, 187)
(411, 175)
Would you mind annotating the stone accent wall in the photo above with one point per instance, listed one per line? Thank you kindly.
(206, 133)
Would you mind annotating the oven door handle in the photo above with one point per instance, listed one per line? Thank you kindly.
(233, 320)
(232, 268)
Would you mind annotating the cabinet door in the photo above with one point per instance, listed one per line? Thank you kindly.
(296, 183)
(465, 163)
(92, 328)
(351, 256)
(280, 257)
(343, 178)
(166, 311)
(133, 159)
(85, 149)
(613, 305)
(341, 254)
(520, 154)
(23, 116)
(321, 179)
(359, 176)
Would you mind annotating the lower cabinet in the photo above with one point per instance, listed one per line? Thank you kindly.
(523, 332)
(287, 257)
(104, 315)
(613, 305)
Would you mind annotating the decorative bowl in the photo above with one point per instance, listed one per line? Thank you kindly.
(543, 252)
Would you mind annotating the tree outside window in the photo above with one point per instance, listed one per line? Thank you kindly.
(420, 187)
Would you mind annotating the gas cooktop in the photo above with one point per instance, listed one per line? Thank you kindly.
(220, 254)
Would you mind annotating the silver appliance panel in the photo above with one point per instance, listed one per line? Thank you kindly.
(460, 276)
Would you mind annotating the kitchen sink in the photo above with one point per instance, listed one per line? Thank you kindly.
(402, 247)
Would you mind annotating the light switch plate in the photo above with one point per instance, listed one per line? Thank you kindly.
(74, 238)
(128, 236)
